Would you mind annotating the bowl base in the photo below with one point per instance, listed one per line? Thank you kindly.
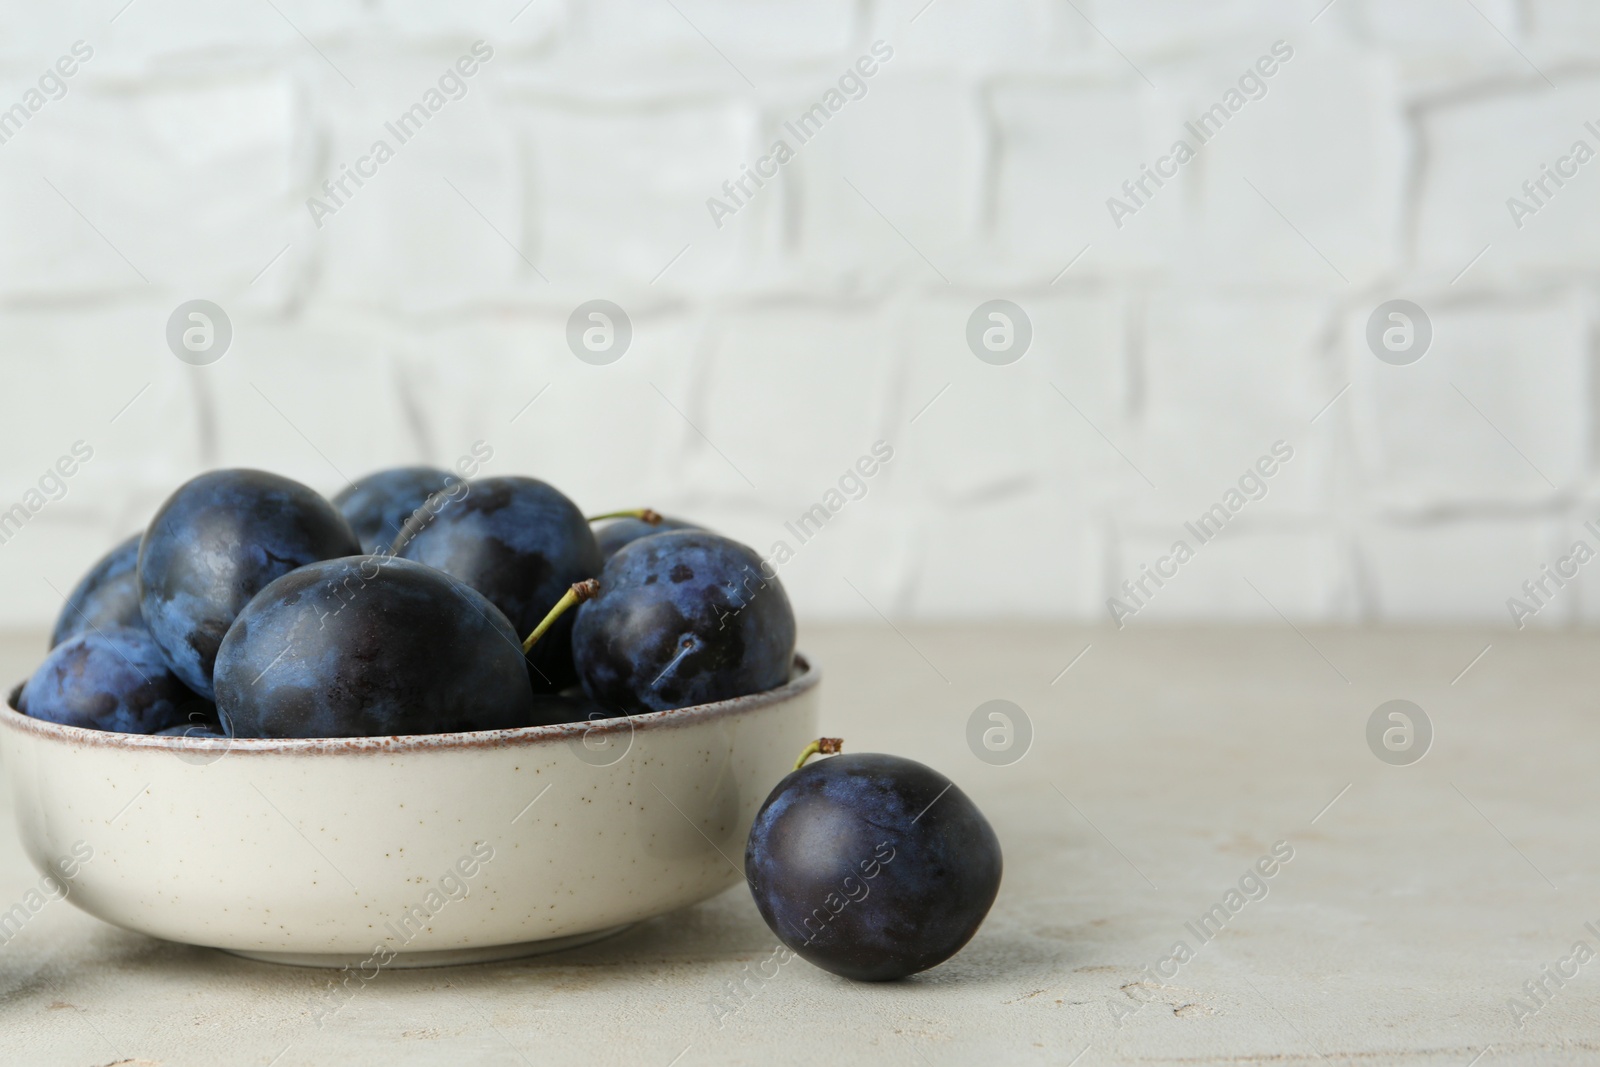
(446, 957)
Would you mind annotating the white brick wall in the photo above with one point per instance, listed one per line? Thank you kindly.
(829, 311)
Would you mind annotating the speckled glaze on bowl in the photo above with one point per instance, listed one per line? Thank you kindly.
(405, 851)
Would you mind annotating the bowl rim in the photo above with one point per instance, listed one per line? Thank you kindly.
(803, 677)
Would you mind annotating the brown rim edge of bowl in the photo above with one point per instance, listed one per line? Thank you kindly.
(803, 677)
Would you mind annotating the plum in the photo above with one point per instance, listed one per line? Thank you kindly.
(370, 646)
(520, 543)
(217, 542)
(613, 535)
(107, 596)
(559, 709)
(684, 617)
(110, 679)
(378, 505)
(872, 866)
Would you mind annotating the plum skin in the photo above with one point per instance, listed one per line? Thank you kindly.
(370, 646)
(613, 535)
(216, 542)
(560, 709)
(871, 866)
(686, 617)
(199, 720)
(106, 596)
(521, 543)
(378, 506)
(199, 730)
(115, 679)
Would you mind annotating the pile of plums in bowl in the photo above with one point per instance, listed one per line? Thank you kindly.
(253, 611)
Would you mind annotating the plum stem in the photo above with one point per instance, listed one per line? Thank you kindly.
(642, 514)
(827, 746)
(587, 589)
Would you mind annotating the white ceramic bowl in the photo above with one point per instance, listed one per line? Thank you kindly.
(404, 851)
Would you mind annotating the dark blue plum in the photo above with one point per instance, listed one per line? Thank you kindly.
(199, 720)
(682, 618)
(370, 646)
(114, 679)
(196, 724)
(520, 543)
(204, 731)
(558, 709)
(873, 867)
(378, 505)
(217, 542)
(105, 597)
(613, 535)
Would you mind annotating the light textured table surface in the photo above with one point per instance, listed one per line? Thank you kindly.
(1164, 764)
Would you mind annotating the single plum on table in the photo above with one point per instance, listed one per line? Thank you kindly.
(872, 866)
